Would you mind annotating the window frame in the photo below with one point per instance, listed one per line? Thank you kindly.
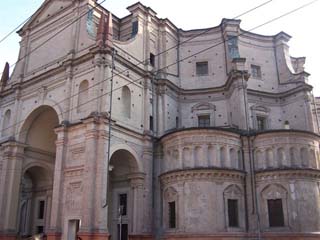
(134, 28)
(255, 71)
(172, 213)
(263, 119)
(236, 217)
(170, 195)
(271, 192)
(198, 68)
(234, 192)
(274, 218)
(205, 123)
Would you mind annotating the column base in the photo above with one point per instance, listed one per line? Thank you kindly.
(54, 236)
(93, 236)
(141, 237)
(8, 237)
(242, 236)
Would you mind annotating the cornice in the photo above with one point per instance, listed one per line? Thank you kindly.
(228, 86)
(287, 174)
(209, 130)
(61, 69)
(205, 174)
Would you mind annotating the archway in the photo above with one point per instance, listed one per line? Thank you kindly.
(36, 190)
(37, 133)
(123, 194)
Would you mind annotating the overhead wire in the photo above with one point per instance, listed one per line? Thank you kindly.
(172, 64)
(14, 30)
(139, 62)
(56, 33)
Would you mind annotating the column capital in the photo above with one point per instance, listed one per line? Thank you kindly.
(137, 180)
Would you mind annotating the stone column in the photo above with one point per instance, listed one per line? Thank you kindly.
(94, 217)
(91, 137)
(137, 185)
(55, 226)
(48, 208)
(147, 191)
(68, 103)
(13, 155)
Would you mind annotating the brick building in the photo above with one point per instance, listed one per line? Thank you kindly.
(208, 133)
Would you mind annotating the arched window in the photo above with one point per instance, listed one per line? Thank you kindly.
(83, 96)
(281, 157)
(294, 157)
(6, 123)
(198, 157)
(304, 157)
(187, 158)
(126, 102)
(234, 159)
(223, 158)
(269, 158)
(259, 160)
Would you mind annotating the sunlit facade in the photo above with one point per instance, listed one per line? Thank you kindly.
(208, 133)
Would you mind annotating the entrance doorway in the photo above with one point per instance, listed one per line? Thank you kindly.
(38, 134)
(123, 165)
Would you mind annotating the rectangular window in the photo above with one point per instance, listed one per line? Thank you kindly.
(202, 68)
(233, 213)
(151, 123)
(172, 214)
(123, 204)
(255, 71)
(275, 211)
(135, 27)
(261, 123)
(41, 209)
(152, 59)
(204, 121)
(233, 47)
(177, 122)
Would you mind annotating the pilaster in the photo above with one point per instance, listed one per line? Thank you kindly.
(55, 226)
(13, 156)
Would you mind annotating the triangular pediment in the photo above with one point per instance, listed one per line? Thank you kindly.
(48, 9)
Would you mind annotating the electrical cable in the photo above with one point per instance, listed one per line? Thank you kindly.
(203, 50)
(14, 30)
(54, 35)
(144, 61)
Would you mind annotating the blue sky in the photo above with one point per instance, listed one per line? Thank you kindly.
(301, 25)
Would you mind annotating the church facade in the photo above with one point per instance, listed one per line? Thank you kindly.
(131, 128)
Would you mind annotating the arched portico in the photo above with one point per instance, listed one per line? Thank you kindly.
(126, 182)
(37, 163)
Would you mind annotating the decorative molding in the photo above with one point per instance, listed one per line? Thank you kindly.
(208, 175)
(74, 171)
(287, 174)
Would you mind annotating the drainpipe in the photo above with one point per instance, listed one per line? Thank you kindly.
(109, 134)
(154, 178)
(254, 190)
(245, 189)
(255, 208)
